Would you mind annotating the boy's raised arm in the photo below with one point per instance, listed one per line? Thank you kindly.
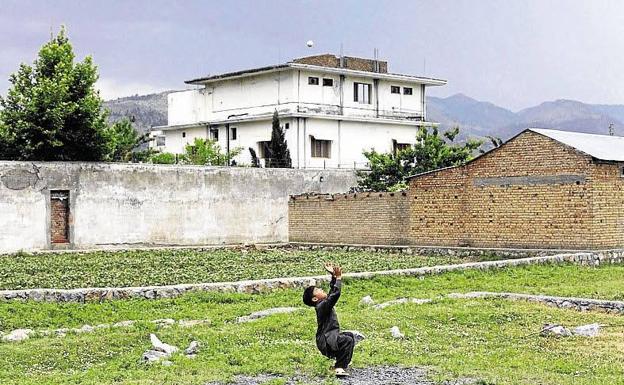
(335, 284)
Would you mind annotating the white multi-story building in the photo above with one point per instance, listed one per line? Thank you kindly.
(331, 108)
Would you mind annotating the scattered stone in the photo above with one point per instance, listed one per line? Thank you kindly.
(187, 323)
(193, 349)
(357, 336)
(591, 330)
(367, 301)
(84, 329)
(555, 330)
(418, 301)
(154, 356)
(166, 363)
(123, 324)
(265, 313)
(18, 335)
(161, 346)
(164, 322)
(396, 333)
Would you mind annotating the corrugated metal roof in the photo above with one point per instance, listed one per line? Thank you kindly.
(603, 147)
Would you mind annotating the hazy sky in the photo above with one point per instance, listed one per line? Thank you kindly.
(512, 53)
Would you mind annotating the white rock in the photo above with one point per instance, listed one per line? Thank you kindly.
(161, 346)
(164, 322)
(265, 313)
(18, 335)
(186, 323)
(396, 333)
(358, 336)
(192, 349)
(367, 301)
(166, 363)
(591, 330)
(154, 356)
(555, 330)
(123, 324)
(390, 303)
(84, 329)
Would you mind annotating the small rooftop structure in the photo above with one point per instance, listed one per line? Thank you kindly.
(328, 63)
(601, 147)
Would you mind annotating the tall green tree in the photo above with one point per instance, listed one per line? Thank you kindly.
(52, 110)
(121, 140)
(431, 151)
(279, 155)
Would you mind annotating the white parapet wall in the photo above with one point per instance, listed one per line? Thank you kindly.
(120, 205)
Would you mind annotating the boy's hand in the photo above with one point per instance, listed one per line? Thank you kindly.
(337, 272)
(329, 267)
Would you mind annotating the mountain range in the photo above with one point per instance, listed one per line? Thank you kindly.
(475, 118)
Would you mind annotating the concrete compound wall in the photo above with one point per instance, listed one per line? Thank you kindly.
(127, 204)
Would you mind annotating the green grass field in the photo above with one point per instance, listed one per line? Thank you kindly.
(173, 266)
(485, 339)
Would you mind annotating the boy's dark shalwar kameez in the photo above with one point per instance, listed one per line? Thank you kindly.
(329, 340)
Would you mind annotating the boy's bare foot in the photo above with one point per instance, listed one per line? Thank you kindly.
(340, 372)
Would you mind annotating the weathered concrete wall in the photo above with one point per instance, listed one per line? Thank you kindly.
(117, 204)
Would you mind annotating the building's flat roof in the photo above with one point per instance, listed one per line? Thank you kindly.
(602, 147)
(292, 65)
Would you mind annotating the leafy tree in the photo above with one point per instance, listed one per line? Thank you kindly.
(279, 155)
(163, 158)
(431, 151)
(52, 110)
(121, 139)
(207, 152)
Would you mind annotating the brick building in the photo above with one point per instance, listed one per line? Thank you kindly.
(541, 189)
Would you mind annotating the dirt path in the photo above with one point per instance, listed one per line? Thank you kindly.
(381, 375)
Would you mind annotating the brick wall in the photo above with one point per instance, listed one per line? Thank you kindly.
(533, 192)
(59, 217)
(363, 218)
(353, 63)
(607, 205)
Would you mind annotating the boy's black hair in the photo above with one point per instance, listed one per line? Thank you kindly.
(308, 294)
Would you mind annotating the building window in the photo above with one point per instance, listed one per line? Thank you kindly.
(214, 134)
(407, 90)
(396, 146)
(160, 141)
(184, 134)
(313, 81)
(233, 133)
(361, 93)
(286, 126)
(328, 82)
(395, 89)
(264, 149)
(320, 148)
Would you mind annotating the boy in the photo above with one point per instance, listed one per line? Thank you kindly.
(329, 340)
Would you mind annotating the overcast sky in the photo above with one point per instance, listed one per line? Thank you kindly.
(513, 53)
